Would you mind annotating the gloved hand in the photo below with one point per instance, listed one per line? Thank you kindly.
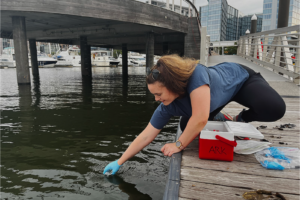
(114, 166)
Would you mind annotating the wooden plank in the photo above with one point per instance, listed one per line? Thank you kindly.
(196, 190)
(236, 167)
(240, 180)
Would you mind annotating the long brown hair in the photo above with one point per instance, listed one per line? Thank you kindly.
(175, 72)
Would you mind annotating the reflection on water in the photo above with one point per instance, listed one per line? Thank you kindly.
(58, 134)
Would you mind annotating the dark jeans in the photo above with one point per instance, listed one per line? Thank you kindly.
(264, 103)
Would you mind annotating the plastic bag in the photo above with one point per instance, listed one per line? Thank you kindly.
(279, 158)
(249, 146)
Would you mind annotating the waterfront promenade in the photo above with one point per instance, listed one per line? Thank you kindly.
(207, 179)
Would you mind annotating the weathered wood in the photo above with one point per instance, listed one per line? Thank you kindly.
(241, 180)
(196, 190)
(235, 167)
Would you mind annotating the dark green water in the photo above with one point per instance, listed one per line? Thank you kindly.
(57, 136)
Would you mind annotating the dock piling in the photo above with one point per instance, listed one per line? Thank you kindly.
(21, 51)
(149, 51)
(86, 62)
(33, 58)
(124, 61)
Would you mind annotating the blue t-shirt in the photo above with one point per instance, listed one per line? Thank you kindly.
(224, 80)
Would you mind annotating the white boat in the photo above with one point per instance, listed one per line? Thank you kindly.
(5, 63)
(113, 61)
(69, 58)
(8, 55)
(100, 58)
(44, 60)
(138, 60)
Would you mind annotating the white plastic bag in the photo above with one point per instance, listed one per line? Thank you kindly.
(250, 146)
(279, 158)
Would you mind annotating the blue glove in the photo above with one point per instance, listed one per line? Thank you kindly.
(114, 166)
(272, 165)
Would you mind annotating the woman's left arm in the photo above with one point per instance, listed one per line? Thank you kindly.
(200, 100)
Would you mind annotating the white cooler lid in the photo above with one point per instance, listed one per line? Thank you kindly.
(244, 130)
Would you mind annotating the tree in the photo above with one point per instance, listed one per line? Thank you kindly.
(117, 53)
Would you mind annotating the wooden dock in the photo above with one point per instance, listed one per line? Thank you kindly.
(206, 179)
(193, 178)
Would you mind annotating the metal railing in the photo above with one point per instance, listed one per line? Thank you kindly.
(205, 43)
(278, 50)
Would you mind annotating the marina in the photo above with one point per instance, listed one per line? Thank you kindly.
(74, 98)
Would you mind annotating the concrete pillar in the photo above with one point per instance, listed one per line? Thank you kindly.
(283, 13)
(21, 50)
(149, 51)
(33, 57)
(253, 24)
(165, 48)
(124, 61)
(86, 61)
(222, 51)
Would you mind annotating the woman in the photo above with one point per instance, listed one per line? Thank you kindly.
(198, 94)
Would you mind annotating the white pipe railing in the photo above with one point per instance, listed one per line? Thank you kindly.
(278, 50)
(205, 43)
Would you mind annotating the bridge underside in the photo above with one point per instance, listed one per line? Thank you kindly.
(64, 29)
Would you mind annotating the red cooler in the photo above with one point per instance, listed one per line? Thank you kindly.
(216, 140)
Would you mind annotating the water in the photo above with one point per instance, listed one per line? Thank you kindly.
(57, 136)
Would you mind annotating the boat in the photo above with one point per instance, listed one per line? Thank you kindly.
(100, 58)
(69, 58)
(8, 57)
(113, 61)
(5, 63)
(44, 60)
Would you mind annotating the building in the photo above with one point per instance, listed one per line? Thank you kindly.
(162, 4)
(270, 14)
(220, 19)
(245, 23)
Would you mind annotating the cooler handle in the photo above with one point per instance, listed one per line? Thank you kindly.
(231, 143)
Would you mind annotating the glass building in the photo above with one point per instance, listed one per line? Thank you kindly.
(232, 24)
(220, 19)
(245, 23)
(270, 14)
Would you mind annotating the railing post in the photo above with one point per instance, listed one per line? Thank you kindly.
(297, 63)
(189, 10)
(203, 45)
(255, 41)
(167, 4)
(259, 48)
(278, 52)
(173, 6)
(180, 9)
(265, 48)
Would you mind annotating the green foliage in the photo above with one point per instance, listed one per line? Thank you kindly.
(117, 52)
(230, 50)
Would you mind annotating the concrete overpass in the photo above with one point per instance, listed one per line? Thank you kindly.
(127, 25)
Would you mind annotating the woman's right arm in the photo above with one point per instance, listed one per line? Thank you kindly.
(142, 140)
